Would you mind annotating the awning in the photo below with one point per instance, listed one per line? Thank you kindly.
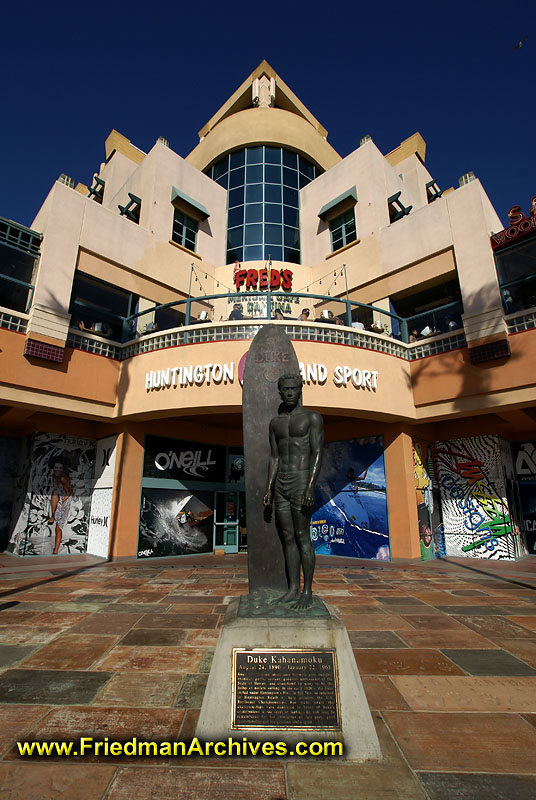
(332, 203)
(176, 194)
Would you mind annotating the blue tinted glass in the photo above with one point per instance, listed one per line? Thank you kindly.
(235, 237)
(273, 251)
(235, 216)
(290, 196)
(220, 167)
(293, 256)
(236, 254)
(272, 174)
(291, 237)
(272, 193)
(290, 216)
(272, 212)
(290, 177)
(273, 234)
(272, 155)
(236, 178)
(223, 180)
(254, 212)
(290, 159)
(254, 155)
(237, 159)
(253, 253)
(306, 167)
(254, 193)
(254, 174)
(253, 234)
(304, 180)
(236, 197)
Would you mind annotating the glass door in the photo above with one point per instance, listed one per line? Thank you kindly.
(226, 518)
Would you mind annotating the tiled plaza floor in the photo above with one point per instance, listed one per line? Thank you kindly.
(446, 651)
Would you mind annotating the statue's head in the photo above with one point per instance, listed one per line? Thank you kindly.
(290, 388)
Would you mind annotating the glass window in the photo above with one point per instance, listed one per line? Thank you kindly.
(290, 216)
(223, 180)
(235, 237)
(236, 178)
(290, 177)
(184, 230)
(254, 212)
(290, 159)
(254, 155)
(273, 234)
(253, 234)
(274, 252)
(272, 193)
(342, 230)
(235, 216)
(236, 197)
(291, 196)
(94, 301)
(253, 253)
(254, 193)
(306, 167)
(273, 213)
(237, 159)
(254, 173)
(272, 174)
(220, 168)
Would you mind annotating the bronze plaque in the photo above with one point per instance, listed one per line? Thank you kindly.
(285, 689)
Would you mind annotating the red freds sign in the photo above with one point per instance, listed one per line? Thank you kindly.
(520, 226)
(263, 279)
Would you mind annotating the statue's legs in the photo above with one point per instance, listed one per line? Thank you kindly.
(285, 526)
(302, 528)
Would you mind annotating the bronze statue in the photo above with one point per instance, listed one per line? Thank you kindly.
(296, 441)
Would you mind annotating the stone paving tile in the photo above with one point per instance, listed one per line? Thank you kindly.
(403, 600)
(202, 638)
(496, 627)
(478, 611)
(30, 781)
(11, 653)
(70, 651)
(17, 720)
(471, 786)
(24, 634)
(189, 724)
(446, 638)
(201, 783)
(50, 687)
(404, 662)
(375, 639)
(382, 694)
(468, 592)
(178, 621)
(57, 619)
(198, 599)
(381, 780)
(496, 742)
(118, 724)
(140, 689)
(431, 622)
(152, 659)
(192, 691)
(106, 623)
(525, 622)
(524, 649)
(374, 622)
(206, 661)
(153, 637)
(467, 693)
(488, 662)
(531, 718)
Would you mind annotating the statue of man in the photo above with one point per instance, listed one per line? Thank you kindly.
(296, 441)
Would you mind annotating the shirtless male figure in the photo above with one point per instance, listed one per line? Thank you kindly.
(296, 441)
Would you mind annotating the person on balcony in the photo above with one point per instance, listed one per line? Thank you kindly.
(236, 313)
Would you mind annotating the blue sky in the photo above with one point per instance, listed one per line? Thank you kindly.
(72, 72)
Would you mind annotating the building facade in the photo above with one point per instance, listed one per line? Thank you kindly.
(128, 307)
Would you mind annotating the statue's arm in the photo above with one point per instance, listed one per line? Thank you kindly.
(316, 442)
(273, 466)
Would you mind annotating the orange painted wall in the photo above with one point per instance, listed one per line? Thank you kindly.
(80, 375)
(448, 376)
(126, 501)
(403, 521)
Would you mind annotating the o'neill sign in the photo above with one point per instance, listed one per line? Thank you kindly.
(199, 374)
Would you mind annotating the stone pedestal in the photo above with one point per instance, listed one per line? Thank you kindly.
(284, 638)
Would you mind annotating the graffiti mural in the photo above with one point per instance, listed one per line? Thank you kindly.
(53, 516)
(350, 514)
(478, 520)
(525, 469)
(431, 538)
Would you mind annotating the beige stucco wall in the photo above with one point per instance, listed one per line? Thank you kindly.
(263, 126)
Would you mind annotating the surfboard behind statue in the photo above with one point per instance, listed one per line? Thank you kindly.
(271, 355)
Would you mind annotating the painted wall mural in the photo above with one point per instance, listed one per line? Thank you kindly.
(431, 536)
(474, 475)
(525, 469)
(350, 516)
(175, 522)
(53, 515)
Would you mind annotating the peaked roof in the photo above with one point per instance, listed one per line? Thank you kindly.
(242, 99)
